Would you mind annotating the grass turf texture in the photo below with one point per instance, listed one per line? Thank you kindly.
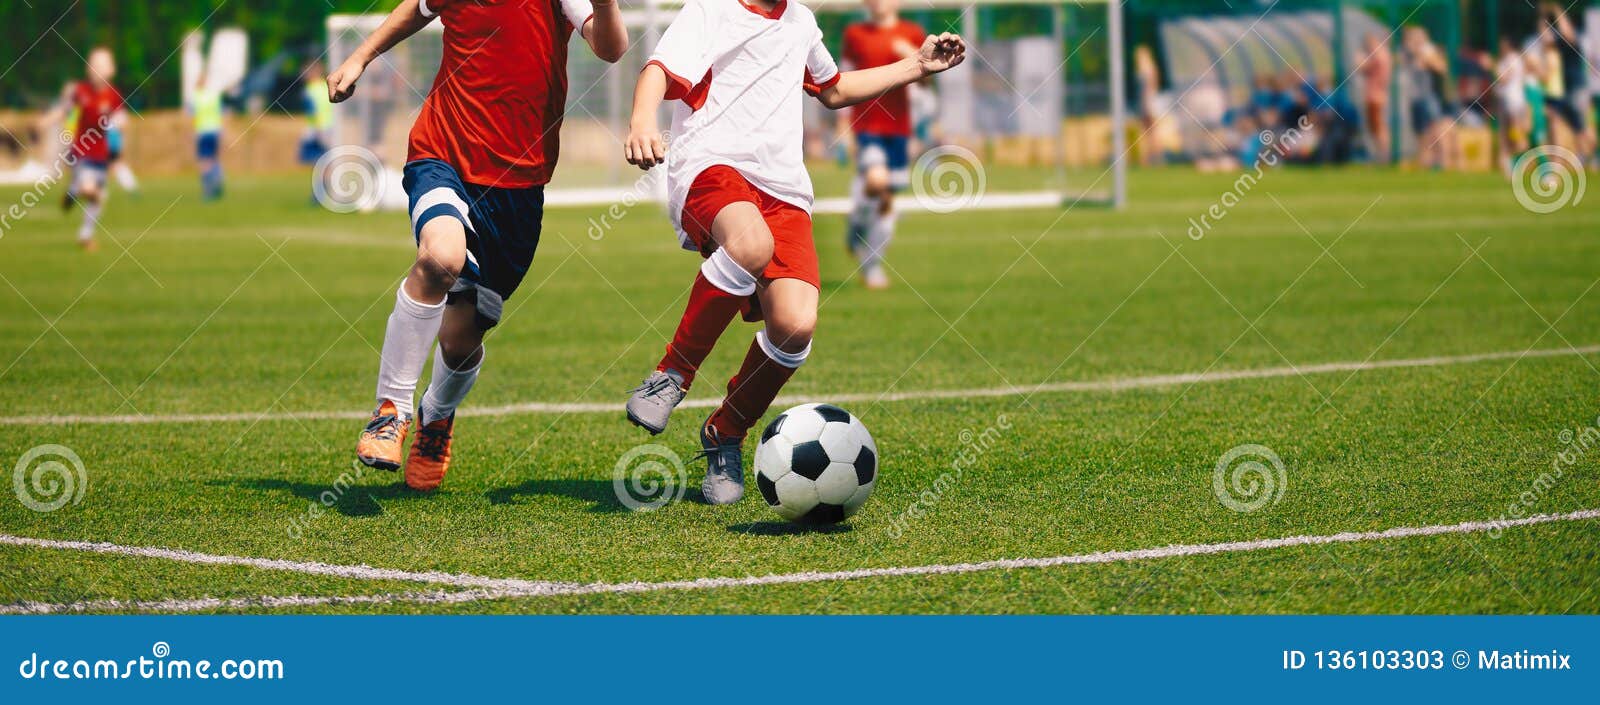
(263, 304)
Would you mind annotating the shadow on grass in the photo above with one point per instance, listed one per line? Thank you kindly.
(784, 528)
(353, 501)
(598, 493)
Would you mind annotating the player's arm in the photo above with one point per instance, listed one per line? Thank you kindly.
(58, 110)
(604, 31)
(406, 19)
(644, 147)
(684, 50)
(938, 53)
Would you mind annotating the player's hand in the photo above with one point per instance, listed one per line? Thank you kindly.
(645, 148)
(342, 82)
(941, 52)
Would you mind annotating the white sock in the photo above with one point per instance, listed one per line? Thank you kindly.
(878, 237)
(447, 388)
(790, 360)
(125, 177)
(727, 275)
(413, 326)
(91, 218)
(862, 208)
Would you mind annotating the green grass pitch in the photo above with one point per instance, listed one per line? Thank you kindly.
(266, 307)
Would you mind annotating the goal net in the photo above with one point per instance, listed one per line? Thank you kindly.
(1033, 118)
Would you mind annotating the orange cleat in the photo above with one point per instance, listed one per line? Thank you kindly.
(384, 436)
(430, 455)
(89, 246)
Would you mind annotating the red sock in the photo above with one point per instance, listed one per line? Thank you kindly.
(750, 393)
(708, 313)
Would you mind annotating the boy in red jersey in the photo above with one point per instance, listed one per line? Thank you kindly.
(738, 193)
(100, 112)
(481, 152)
(882, 128)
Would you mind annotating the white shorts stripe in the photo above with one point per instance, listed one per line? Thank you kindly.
(440, 196)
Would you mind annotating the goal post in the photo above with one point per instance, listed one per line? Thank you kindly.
(1036, 114)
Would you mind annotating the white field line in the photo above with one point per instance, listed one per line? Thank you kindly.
(1104, 385)
(501, 588)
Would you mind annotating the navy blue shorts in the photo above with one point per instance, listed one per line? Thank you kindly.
(205, 145)
(502, 224)
(892, 151)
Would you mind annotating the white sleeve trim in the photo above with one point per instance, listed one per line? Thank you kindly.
(577, 12)
(422, 7)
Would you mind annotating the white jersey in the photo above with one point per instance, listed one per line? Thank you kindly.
(738, 73)
(1508, 84)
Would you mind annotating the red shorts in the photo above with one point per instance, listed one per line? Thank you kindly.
(794, 253)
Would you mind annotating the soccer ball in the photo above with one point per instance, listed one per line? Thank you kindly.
(816, 464)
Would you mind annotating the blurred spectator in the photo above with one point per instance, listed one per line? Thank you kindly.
(1147, 80)
(1428, 74)
(1337, 121)
(1377, 73)
(1510, 103)
(1566, 75)
(1474, 76)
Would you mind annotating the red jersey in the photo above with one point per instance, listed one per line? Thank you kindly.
(494, 112)
(91, 140)
(869, 45)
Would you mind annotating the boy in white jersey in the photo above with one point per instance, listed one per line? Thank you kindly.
(738, 193)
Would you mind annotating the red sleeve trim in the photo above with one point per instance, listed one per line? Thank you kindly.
(815, 89)
(585, 23)
(677, 86)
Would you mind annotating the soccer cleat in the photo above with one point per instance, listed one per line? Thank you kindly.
(430, 455)
(654, 399)
(381, 441)
(724, 482)
(90, 246)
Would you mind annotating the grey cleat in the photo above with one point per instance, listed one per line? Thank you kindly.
(654, 399)
(724, 483)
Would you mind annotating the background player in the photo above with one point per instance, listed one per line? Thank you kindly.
(738, 193)
(98, 108)
(883, 127)
(481, 151)
(205, 107)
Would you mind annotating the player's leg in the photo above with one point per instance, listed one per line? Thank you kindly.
(456, 363)
(496, 254)
(788, 298)
(89, 190)
(418, 310)
(880, 231)
(726, 280)
(207, 152)
(790, 310)
(871, 163)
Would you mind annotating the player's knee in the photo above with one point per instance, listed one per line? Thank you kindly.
(877, 182)
(791, 329)
(435, 271)
(441, 253)
(752, 251)
(461, 352)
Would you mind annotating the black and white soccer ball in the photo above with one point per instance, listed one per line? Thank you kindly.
(816, 464)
